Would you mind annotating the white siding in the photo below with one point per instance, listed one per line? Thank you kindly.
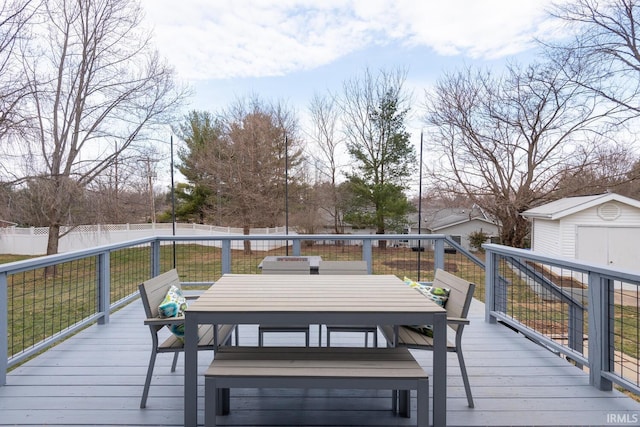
(545, 236)
(629, 217)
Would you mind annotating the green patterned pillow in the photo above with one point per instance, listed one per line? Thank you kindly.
(439, 295)
(423, 329)
(174, 305)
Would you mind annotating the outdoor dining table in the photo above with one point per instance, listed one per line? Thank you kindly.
(315, 299)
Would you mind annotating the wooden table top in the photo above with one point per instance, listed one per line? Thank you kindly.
(312, 293)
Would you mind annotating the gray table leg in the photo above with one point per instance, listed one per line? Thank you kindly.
(440, 370)
(423, 403)
(191, 371)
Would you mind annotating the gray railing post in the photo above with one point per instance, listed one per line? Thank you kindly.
(104, 287)
(155, 258)
(490, 281)
(226, 256)
(438, 254)
(367, 255)
(599, 331)
(4, 329)
(297, 247)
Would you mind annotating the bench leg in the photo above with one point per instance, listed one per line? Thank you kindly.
(211, 400)
(423, 403)
(224, 401)
(404, 403)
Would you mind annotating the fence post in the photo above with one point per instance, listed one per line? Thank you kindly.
(599, 331)
(438, 254)
(226, 256)
(297, 247)
(4, 329)
(155, 258)
(489, 285)
(367, 254)
(104, 287)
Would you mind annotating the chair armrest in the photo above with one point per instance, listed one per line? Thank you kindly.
(458, 320)
(161, 321)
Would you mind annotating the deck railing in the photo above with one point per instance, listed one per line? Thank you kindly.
(46, 299)
(582, 311)
(586, 313)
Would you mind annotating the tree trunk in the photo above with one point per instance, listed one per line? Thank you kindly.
(53, 239)
(514, 232)
(247, 243)
(52, 247)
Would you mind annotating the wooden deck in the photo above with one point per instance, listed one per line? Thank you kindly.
(96, 378)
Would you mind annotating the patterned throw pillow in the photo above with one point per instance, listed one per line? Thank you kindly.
(423, 329)
(174, 305)
(439, 295)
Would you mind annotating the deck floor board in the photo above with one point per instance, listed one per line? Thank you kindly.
(96, 377)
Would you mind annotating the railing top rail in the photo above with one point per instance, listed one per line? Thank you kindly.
(47, 260)
(570, 263)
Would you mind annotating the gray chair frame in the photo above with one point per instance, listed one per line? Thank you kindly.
(152, 293)
(284, 267)
(348, 267)
(457, 306)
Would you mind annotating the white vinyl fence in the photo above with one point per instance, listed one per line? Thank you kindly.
(33, 240)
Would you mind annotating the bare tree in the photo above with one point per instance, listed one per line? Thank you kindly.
(325, 115)
(504, 140)
(609, 167)
(375, 108)
(236, 163)
(96, 88)
(14, 17)
(261, 143)
(605, 46)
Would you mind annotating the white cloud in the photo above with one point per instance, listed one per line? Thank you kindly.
(253, 38)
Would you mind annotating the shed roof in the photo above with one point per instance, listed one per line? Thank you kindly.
(570, 205)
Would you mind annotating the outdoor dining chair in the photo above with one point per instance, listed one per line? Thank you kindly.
(348, 267)
(457, 306)
(152, 294)
(285, 267)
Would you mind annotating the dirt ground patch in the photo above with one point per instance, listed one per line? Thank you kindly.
(403, 264)
(629, 298)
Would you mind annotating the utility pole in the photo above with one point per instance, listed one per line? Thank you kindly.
(173, 205)
(286, 191)
(420, 208)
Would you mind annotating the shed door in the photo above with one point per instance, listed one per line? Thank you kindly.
(613, 246)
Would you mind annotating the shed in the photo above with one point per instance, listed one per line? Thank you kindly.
(602, 229)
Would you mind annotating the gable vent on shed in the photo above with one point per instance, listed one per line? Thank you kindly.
(609, 211)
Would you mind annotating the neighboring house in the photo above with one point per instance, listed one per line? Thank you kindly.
(457, 223)
(603, 229)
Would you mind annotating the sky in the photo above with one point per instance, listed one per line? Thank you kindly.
(289, 50)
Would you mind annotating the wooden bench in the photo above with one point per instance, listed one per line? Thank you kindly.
(312, 367)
